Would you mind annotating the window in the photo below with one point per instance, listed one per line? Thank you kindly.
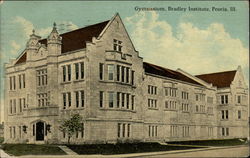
(173, 131)
(111, 72)
(82, 69)
(101, 98)
(224, 99)
(24, 103)
(118, 99)
(14, 81)
(132, 77)
(123, 99)
(152, 131)
(101, 67)
(42, 99)
(20, 105)
(152, 103)
(133, 102)
(69, 72)
(118, 72)
(127, 75)
(42, 77)
(127, 101)
(69, 99)
(82, 130)
(64, 101)
(123, 75)
(77, 71)
(123, 130)
(224, 114)
(111, 99)
(20, 81)
(128, 130)
(10, 83)
(14, 106)
(225, 131)
(10, 105)
(23, 80)
(77, 98)
(152, 89)
(184, 95)
(239, 114)
(239, 99)
(82, 98)
(117, 45)
(64, 73)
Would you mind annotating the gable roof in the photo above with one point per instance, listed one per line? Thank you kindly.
(219, 79)
(75, 39)
(161, 71)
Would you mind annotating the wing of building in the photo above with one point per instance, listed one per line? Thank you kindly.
(95, 71)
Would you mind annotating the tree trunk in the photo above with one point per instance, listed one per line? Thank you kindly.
(68, 139)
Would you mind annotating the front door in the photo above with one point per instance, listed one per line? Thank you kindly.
(39, 131)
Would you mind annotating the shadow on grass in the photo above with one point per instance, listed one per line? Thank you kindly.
(109, 149)
(222, 142)
(32, 149)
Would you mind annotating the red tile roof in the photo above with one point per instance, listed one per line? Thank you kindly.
(161, 71)
(219, 79)
(76, 39)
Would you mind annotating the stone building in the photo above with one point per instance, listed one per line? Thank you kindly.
(96, 71)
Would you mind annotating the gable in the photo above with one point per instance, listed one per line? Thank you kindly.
(115, 29)
(219, 79)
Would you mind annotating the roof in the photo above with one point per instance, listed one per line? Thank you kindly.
(161, 71)
(75, 39)
(219, 79)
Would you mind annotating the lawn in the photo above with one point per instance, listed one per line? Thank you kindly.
(216, 142)
(32, 149)
(109, 149)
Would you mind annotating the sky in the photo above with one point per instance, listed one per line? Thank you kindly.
(198, 42)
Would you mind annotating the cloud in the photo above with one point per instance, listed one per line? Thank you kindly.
(192, 49)
(65, 26)
(14, 48)
(27, 27)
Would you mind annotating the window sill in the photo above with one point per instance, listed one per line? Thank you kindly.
(152, 108)
(200, 113)
(170, 110)
(79, 80)
(75, 108)
(185, 111)
(224, 119)
(67, 82)
(117, 109)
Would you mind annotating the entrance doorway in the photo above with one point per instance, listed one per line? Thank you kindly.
(40, 131)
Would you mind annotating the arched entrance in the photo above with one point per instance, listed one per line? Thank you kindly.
(40, 131)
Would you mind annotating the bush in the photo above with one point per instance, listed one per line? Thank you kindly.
(1, 140)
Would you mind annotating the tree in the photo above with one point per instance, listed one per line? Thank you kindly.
(71, 125)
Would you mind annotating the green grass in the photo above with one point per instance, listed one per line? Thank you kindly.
(221, 142)
(109, 149)
(1, 140)
(32, 149)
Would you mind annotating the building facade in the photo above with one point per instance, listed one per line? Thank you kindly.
(95, 71)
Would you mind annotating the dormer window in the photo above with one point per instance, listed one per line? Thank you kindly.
(117, 45)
